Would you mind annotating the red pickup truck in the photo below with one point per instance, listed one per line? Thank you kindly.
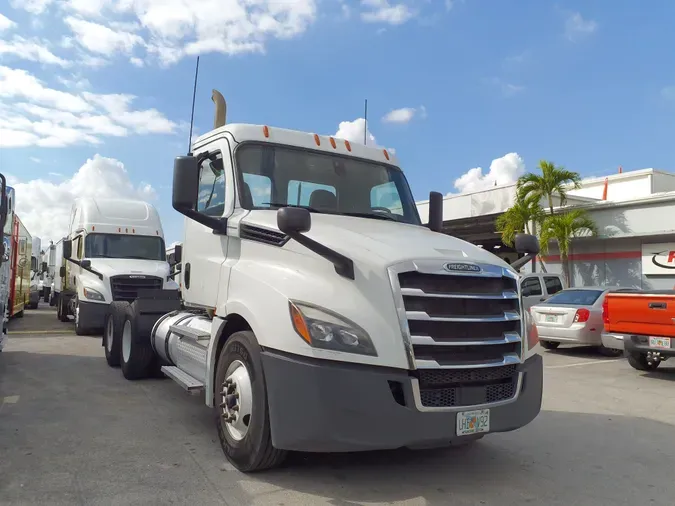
(644, 322)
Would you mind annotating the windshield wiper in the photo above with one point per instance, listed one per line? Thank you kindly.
(278, 205)
(372, 215)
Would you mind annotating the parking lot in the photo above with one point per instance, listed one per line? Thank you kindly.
(74, 431)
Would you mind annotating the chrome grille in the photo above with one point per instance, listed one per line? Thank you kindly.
(463, 329)
(125, 288)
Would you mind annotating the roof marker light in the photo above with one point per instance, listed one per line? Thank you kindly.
(332, 143)
(266, 131)
(133, 230)
(317, 140)
(126, 230)
(348, 146)
(93, 227)
(386, 155)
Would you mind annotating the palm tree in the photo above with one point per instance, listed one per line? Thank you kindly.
(553, 180)
(562, 228)
(518, 218)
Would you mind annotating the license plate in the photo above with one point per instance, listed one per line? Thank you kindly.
(473, 422)
(551, 318)
(659, 342)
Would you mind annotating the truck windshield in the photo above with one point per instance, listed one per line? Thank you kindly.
(276, 176)
(575, 297)
(124, 246)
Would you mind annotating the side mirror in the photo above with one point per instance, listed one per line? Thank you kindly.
(293, 220)
(185, 183)
(178, 254)
(527, 244)
(44, 267)
(62, 271)
(85, 264)
(67, 248)
(435, 212)
(33, 264)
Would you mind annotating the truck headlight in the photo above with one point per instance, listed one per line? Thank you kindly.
(324, 329)
(93, 294)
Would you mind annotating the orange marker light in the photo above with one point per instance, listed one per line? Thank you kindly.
(332, 143)
(266, 131)
(348, 146)
(317, 140)
(299, 323)
(126, 230)
(93, 228)
(119, 229)
(133, 230)
(386, 155)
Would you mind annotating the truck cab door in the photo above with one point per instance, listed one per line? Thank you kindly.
(205, 251)
(531, 291)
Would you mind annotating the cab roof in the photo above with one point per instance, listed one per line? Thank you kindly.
(262, 133)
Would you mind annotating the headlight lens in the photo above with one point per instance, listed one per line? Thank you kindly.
(324, 329)
(92, 294)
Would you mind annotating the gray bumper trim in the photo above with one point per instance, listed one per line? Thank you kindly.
(323, 406)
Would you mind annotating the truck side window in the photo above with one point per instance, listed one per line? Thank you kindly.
(553, 284)
(531, 286)
(211, 196)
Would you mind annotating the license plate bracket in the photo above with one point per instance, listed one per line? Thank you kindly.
(473, 422)
(551, 318)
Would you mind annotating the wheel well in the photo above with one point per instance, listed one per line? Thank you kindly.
(234, 323)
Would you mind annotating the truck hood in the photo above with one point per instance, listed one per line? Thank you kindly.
(125, 266)
(379, 241)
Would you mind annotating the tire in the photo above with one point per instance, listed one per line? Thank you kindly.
(112, 333)
(19, 314)
(609, 352)
(247, 446)
(639, 361)
(52, 300)
(549, 345)
(63, 309)
(136, 355)
(79, 329)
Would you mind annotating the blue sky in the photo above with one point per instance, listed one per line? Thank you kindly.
(589, 85)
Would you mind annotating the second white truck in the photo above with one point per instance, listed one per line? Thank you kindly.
(114, 248)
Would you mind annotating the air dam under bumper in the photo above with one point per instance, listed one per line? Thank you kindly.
(323, 406)
(92, 314)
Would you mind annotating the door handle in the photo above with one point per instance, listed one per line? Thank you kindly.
(657, 305)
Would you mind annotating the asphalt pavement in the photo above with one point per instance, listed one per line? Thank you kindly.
(74, 431)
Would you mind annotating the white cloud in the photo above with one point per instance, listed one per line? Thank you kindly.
(6, 23)
(383, 11)
(576, 27)
(98, 177)
(32, 114)
(504, 170)
(136, 62)
(100, 39)
(353, 131)
(404, 115)
(32, 6)
(34, 159)
(32, 50)
(507, 89)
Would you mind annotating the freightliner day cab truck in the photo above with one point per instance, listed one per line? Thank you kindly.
(115, 248)
(318, 314)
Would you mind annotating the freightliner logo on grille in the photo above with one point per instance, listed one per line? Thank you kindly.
(461, 267)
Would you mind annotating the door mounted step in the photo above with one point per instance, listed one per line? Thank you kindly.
(190, 333)
(190, 384)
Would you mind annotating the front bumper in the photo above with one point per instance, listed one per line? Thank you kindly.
(640, 344)
(92, 314)
(323, 406)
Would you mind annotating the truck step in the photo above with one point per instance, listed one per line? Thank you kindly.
(192, 385)
(190, 333)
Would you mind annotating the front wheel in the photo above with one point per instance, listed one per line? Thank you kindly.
(549, 345)
(112, 335)
(641, 362)
(242, 416)
(136, 357)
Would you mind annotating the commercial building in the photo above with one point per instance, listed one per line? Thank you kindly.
(634, 213)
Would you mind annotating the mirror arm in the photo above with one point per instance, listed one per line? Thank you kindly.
(218, 225)
(96, 273)
(522, 261)
(344, 266)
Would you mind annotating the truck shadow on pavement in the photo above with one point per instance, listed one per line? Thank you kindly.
(77, 432)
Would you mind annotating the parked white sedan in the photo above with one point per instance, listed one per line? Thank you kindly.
(573, 316)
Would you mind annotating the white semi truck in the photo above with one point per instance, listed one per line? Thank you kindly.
(114, 248)
(318, 314)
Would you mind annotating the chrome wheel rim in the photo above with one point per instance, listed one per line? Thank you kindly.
(236, 400)
(126, 341)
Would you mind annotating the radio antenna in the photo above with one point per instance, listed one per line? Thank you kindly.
(192, 114)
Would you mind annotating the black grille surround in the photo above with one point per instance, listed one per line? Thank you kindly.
(464, 331)
(126, 287)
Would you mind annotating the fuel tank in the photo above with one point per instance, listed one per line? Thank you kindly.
(186, 353)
